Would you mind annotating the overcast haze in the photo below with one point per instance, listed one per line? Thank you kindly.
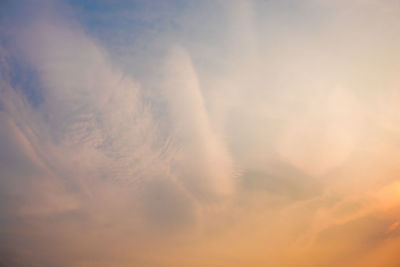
(200, 133)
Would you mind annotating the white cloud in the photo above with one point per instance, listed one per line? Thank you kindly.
(96, 145)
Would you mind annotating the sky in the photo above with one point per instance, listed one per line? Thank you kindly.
(200, 133)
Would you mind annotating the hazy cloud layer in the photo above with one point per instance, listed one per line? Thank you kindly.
(244, 133)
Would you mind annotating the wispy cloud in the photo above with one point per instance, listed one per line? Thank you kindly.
(266, 135)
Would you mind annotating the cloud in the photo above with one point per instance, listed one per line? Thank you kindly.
(264, 135)
(204, 165)
(92, 153)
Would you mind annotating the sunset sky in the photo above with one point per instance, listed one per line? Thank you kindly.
(200, 133)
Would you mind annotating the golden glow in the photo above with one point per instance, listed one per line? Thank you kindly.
(217, 133)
